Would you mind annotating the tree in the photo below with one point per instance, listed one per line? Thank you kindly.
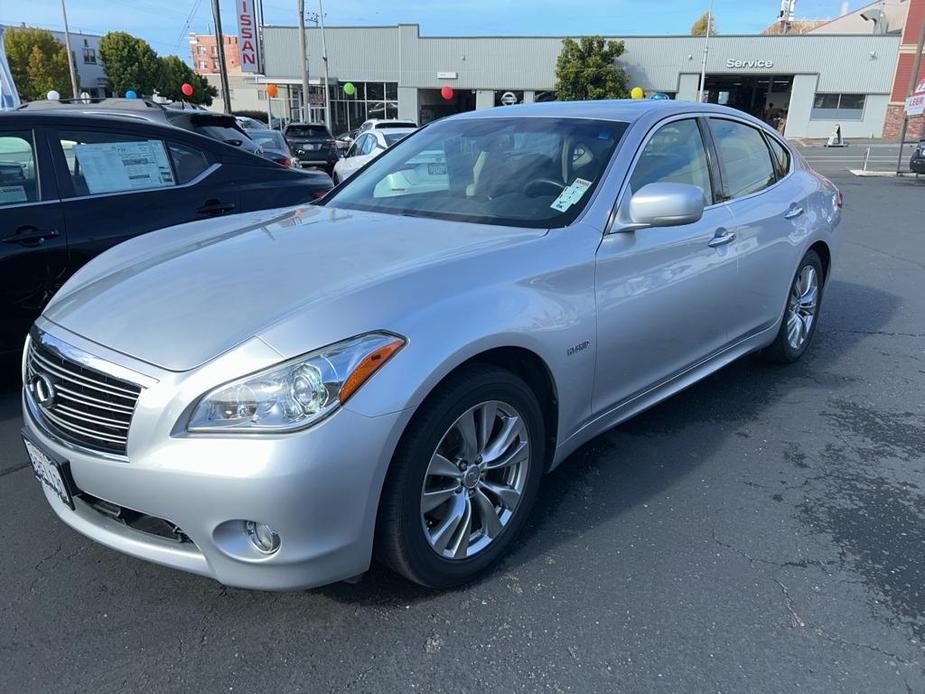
(173, 73)
(587, 69)
(699, 28)
(130, 63)
(38, 62)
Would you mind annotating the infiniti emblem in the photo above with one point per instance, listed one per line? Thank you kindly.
(43, 389)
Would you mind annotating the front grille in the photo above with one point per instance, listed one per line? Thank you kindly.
(82, 405)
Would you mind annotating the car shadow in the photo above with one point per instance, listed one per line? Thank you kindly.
(641, 458)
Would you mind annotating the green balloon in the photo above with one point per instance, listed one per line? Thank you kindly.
(349, 89)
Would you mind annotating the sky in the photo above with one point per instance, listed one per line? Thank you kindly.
(163, 23)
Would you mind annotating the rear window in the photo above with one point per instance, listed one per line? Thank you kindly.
(392, 138)
(307, 131)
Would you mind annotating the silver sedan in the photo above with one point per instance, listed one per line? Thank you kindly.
(272, 399)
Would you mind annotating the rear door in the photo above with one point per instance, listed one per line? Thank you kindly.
(33, 243)
(117, 183)
(661, 292)
(769, 216)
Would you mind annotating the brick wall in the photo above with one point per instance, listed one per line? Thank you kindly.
(894, 123)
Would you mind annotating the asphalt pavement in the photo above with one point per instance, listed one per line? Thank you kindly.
(763, 531)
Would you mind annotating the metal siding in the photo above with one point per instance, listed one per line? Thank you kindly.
(398, 53)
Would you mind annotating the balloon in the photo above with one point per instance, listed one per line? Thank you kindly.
(130, 94)
(53, 95)
(187, 89)
(659, 96)
(272, 90)
(637, 93)
(349, 89)
(446, 91)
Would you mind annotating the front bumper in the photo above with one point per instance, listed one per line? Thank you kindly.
(318, 488)
(917, 164)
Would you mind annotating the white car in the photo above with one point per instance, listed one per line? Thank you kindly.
(365, 148)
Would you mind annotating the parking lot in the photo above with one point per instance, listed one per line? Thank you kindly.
(763, 531)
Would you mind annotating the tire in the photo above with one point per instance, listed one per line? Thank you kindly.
(404, 527)
(784, 350)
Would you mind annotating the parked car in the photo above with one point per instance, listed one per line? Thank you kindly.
(218, 126)
(312, 144)
(73, 185)
(917, 162)
(274, 146)
(393, 370)
(248, 123)
(367, 147)
(385, 123)
(344, 140)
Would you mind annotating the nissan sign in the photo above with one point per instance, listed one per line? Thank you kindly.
(248, 47)
(735, 64)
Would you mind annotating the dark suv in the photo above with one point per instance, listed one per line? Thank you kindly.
(917, 163)
(312, 144)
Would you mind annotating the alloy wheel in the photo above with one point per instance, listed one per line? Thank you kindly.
(475, 480)
(801, 307)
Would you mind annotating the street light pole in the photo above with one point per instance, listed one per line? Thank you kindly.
(913, 80)
(220, 49)
(706, 49)
(324, 58)
(303, 52)
(70, 56)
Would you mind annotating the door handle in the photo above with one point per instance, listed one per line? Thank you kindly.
(213, 208)
(722, 237)
(31, 234)
(793, 212)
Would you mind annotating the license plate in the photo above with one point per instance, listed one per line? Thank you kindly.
(312, 148)
(49, 472)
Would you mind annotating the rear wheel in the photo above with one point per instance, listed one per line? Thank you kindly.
(463, 478)
(801, 312)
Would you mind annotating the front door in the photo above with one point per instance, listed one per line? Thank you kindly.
(661, 292)
(33, 243)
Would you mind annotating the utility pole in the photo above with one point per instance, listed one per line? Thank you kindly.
(913, 79)
(70, 56)
(706, 49)
(303, 53)
(324, 58)
(220, 44)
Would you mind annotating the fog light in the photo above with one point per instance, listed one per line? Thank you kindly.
(262, 536)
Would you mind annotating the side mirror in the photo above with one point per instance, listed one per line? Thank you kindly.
(665, 205)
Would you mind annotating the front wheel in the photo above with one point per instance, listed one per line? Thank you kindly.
(463, 478)
(800, 314)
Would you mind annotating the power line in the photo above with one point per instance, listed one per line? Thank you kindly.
(186, 25)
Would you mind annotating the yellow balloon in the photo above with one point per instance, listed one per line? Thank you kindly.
(637, 93)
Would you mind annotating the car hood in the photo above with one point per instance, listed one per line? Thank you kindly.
(181, 296)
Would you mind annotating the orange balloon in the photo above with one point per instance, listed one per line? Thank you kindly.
(272, 90)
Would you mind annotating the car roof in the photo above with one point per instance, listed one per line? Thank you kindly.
(624, 110)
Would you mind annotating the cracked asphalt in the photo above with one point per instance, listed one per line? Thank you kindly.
(764, 531)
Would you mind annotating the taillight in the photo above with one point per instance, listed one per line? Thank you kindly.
(284, 161)
(838, 199)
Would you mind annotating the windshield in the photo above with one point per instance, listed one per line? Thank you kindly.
(269, 139)
(307, 131)
(530, 172)
(392, 137)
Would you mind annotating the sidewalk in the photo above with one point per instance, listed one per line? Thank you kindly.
(850, 142)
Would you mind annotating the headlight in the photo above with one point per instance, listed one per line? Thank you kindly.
(297, 393)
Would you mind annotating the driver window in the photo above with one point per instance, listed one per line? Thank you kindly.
(369, 144)
(352, 151)
(674, 154)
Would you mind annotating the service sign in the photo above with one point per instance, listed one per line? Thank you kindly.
(248, 45)
(915, 104)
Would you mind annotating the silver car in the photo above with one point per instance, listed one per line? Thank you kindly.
(274, 398)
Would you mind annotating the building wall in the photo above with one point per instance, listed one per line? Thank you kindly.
(90, 72)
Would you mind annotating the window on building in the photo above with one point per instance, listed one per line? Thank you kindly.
(369, 100)
(838, 107)
(90, 56)
(203, 65)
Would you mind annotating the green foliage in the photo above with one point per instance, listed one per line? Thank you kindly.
(130, 63)
(173, 73)
(587, 69)
(699, 28)
(38, 63)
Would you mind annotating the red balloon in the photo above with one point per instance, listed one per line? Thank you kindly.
(186, 88)
(446, 92)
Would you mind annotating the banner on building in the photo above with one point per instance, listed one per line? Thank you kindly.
(248, 41)
(915, 104)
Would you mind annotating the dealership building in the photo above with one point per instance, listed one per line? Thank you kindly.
(851, 71)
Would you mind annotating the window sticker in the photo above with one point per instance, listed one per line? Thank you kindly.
(117, 166)
(11, 194)
(570, 195)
